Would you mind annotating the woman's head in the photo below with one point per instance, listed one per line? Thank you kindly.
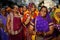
(15, 8)
(8, 9)
(33, 7)
(21, 9)
(43, 11)
(24, 8)
(53, 9)
(57, 13)
(3, 11)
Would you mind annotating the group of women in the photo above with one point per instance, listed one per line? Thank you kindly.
(29, 23)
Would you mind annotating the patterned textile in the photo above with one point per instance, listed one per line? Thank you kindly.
(57, 19)
(42, 25)
(16, 26)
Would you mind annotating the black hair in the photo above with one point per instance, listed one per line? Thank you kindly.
(20, 6)
(13, 6)
(25, 6)
(7, 7)
(34, 5)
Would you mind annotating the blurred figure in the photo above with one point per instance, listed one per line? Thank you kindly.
(52, 12)
(0, 21)
(26, 21)
(0, 35)
(14, 25)
(34, 13)
(59, 6)
(56, 20)
(8, 10)
(25, 10)
(3, 21)
(44, 25)
(31, 31)
(0, 7)
(21, 10)
(26, 16)
(48, 10)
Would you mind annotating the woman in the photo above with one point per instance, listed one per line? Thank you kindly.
(3, 21)
(21, 10)
(52, 12)
(31, 32)
(43, 25)
(8, 9)
(56, 20)
(26, 21)
(14, 25)
(34, 11)
(34, 14)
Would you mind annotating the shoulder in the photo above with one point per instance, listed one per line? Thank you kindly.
(38, 18)
(8, 16)
(0, 15)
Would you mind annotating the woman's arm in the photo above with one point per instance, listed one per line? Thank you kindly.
(8, 23)
(51, 29)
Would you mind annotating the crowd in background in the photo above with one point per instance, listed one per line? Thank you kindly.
(29, 23)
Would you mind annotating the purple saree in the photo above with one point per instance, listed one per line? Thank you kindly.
(42, 24)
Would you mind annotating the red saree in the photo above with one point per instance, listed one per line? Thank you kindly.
(16, 27)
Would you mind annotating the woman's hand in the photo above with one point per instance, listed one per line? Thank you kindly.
(34, 33)
(1, 25)
(40, 33)
(51, 30)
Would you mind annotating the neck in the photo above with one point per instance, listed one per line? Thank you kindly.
(25, 10)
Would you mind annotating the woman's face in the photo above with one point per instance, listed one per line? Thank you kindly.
(8, 9)
(43, 12)
(3, 12)
(58, 14)
(15, 9)
(33, 8)
(21, 9)
(24, 8)
(53, 9)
